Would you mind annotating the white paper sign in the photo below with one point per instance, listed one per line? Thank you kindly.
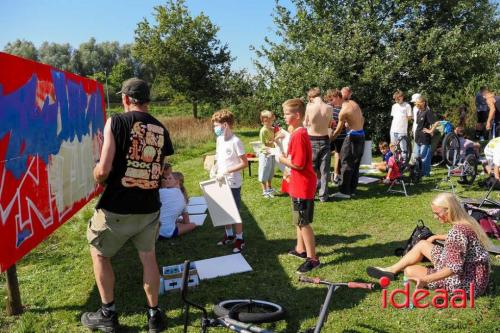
(222, 266)
(220, 201)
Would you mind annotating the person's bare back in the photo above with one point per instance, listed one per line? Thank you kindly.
(318, 117)
(352, 115)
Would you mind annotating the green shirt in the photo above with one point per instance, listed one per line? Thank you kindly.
(266, 136)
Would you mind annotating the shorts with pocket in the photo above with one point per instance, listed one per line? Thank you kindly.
(266, 167)
(302, 211)
(107, 232)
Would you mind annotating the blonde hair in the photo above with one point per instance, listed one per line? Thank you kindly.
(456, 214)
(266, 114)
(313, 92)
(295, 105)
(330, 93)
(180, 178)
(223, 116)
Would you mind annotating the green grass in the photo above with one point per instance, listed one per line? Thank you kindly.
(57, 283)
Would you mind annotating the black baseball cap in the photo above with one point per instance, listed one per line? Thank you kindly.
(136, 88)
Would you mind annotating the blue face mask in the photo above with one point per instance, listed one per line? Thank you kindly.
(218, 131)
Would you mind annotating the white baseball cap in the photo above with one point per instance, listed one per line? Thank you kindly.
(414, 97)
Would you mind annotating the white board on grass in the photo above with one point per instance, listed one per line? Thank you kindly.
(222, 266)
(367, 180)
(220, 201)
(198, 219)
(197, 201)
(196, 209)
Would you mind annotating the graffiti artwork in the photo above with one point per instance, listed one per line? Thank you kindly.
(51, 125)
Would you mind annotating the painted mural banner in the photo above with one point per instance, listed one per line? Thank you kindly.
(51, 125)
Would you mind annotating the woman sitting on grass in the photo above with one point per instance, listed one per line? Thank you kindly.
(174, 219)
(463, 258)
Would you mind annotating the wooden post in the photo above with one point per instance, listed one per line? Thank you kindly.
(14, 306)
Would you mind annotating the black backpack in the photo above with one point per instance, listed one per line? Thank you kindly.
(419, 233)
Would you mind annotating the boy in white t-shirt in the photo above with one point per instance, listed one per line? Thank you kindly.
(400, 113)
(231, 159)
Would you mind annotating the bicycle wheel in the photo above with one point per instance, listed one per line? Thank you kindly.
(451, 149)
(469, 169)
(402, 152)
(250, 310)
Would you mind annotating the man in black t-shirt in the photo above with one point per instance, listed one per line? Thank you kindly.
(425, 119)
(130, 168)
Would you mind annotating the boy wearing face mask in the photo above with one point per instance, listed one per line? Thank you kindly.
(231, 159)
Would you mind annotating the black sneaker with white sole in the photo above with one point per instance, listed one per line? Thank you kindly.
(308, 266)
(98, 321)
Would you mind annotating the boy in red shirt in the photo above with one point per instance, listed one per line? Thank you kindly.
(302, 185)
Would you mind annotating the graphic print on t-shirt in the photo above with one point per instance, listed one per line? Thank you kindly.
(143, 158)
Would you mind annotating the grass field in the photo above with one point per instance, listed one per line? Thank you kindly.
(57, 283)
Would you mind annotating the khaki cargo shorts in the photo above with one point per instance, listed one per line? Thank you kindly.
(107, 232)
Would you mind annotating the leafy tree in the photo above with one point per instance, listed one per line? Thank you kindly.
(57, 55)
(22, 48)
(184, 50)
(377, 46)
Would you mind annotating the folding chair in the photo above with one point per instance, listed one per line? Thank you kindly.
(487, 199)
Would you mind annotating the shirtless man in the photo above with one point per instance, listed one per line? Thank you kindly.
(317, 121)
(352, 149)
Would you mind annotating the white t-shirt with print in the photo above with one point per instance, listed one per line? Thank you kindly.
(228, 154)
(492, 151)
(400, 114)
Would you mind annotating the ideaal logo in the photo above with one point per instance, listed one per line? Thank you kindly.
(418, 297)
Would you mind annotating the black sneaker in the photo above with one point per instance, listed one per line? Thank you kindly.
(293, 252)
(308, 266)
(97, 320)
(158, 322)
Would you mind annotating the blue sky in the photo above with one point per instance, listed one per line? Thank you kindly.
(242, 22)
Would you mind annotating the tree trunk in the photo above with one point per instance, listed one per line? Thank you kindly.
(195, 109)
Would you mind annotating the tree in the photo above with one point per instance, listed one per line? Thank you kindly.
(184, 50)
(57, 55)
(377, 46)
(22, 48)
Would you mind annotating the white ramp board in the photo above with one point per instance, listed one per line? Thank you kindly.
(197, 209)
(198, 219)
(366, 159)
(193, 201)
(367, 180)
(220, 201)
(222, 266)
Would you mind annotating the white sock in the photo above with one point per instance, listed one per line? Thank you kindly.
(239, 236)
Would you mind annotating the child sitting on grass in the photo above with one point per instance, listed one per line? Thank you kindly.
(386, 154)
(302, 185)
(231, 159)
(266, 159)
(174, 200)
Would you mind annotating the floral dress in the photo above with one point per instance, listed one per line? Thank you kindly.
(464, 255)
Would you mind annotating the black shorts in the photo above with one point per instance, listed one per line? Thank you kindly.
(336, 145)
(302, 211)
(482, 116)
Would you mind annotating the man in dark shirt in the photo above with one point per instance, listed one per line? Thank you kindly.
(130, 168)
(425, 119)
(482, 113)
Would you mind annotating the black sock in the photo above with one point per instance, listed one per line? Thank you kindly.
(108, 309)
(152, 310)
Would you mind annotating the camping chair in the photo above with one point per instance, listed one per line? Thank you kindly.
(487, 199)
(402, 155)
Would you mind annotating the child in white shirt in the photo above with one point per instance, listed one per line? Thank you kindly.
(231, 159)
(174, 219)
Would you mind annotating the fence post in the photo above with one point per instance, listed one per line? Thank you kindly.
(14, 306)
